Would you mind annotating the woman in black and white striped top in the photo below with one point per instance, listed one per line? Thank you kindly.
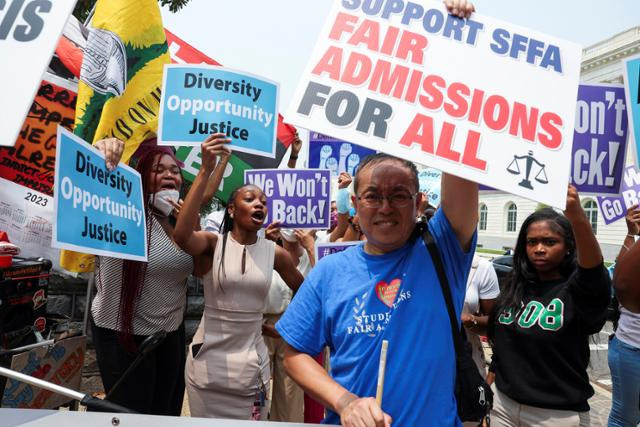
(152, 299)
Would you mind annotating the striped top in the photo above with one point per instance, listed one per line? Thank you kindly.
(162, 301)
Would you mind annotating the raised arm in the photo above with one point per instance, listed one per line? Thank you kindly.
(296, 145)
(342, 204)
(626, 277)
(633, 229)
(307, 239)
(587, 247)
(185, 235)
(216, 178)
(459, 201)
(283, 264)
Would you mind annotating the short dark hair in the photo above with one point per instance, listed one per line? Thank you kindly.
(374, 159)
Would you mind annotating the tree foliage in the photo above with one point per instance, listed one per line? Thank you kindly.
(83, 7)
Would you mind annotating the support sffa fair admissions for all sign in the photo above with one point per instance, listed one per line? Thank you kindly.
(482, 99)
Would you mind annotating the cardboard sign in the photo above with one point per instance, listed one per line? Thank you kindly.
(298, 198)
(479, 98)
(614, 208)
(198, 100)
(336, 155)
(97, 211)
(183, 53)
(31, 161)
(631, 72)
(29, 30)
(325, 249)
(429, 180)
(60, 363)
(600, 138)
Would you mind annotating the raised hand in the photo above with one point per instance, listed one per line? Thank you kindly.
(272, 232)
(573, 210)
(633, 220)
(212, 147)
(112, 148)
(344, 180)
(460, 8)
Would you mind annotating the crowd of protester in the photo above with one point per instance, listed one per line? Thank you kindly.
(257, 353)
(286, 338)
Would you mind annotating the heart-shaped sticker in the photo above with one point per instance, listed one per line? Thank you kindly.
(387, 292)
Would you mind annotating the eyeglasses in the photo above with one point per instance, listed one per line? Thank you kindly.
(398, 200)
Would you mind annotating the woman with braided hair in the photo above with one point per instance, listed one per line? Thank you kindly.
(137, 299)
(227, 372)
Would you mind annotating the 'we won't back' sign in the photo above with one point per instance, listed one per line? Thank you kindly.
(297, 198)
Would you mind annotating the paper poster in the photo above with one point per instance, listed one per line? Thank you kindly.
(614, 208)
(325, 249)
(600, 139)
(96, 211)
(297, 198)
(429, 180)
(27, 217)
(479, 98)
(199, 100)
(336, 155)
(31, 161)
(60, 363)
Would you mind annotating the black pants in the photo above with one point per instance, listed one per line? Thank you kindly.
(156, 386)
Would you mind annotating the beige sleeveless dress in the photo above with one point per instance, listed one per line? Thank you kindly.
(232, 362)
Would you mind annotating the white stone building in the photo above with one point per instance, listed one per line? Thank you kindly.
(501, 214)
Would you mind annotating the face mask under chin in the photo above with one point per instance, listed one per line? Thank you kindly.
(160, 201)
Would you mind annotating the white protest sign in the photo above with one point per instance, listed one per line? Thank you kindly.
(27, 217)
(479, 98)
(29, 32)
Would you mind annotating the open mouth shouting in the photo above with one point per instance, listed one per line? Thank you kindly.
(258, 216)
(168, 185)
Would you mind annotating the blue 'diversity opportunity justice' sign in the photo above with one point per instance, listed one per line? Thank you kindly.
(199, 100)
(97, 211)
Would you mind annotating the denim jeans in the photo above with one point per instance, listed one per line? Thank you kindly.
(624, 363)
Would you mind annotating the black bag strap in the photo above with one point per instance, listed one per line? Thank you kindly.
(446, 290)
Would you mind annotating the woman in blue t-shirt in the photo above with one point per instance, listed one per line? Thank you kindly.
(557, 297)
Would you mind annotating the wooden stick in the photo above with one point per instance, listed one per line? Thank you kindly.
(381, 369)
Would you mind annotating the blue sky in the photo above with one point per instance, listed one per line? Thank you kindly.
(274, 38)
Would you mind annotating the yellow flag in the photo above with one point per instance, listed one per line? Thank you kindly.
(120, 82)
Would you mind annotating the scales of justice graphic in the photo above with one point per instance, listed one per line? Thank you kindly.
(530, 162)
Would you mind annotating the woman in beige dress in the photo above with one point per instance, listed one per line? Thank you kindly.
(227, 371)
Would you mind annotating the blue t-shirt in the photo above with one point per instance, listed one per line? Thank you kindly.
(351, 301)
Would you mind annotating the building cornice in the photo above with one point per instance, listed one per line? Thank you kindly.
(613, 49)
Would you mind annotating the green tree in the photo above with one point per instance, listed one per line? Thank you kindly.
(83, 7)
